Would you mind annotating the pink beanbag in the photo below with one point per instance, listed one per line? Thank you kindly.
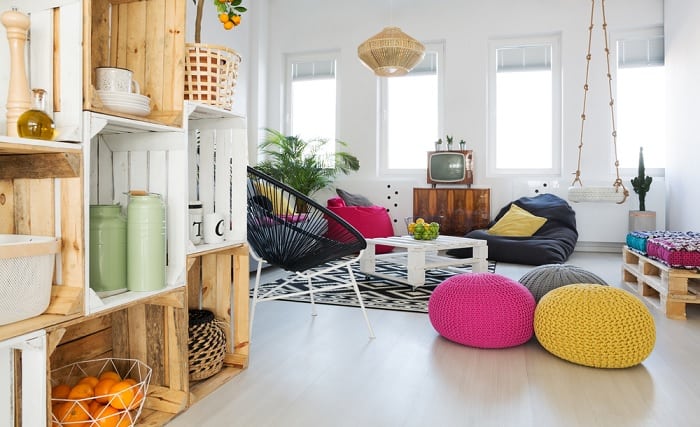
(482, 310)
(370, 221)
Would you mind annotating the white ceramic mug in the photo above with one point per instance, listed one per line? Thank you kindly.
(195, 214)
(116, 80)
(213, 228)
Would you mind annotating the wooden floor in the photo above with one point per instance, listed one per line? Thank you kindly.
(324, 371)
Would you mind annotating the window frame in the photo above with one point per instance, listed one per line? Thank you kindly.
(615, 38)
(290, 59)
(554, 40)
(382, 115)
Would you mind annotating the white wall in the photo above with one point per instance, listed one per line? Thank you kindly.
(682, 34)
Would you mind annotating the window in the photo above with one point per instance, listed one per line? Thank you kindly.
(641, 99)
(410, 114)
(524, 107)
(311, 99)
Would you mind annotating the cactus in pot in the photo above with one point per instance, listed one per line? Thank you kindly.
(641, 182)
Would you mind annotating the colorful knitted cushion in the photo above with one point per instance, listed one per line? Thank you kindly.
(677, 252)
(483, 310)
(637, 240)
(595, 325)
(544, 278)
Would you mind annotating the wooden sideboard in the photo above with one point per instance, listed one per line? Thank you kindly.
(461, 209)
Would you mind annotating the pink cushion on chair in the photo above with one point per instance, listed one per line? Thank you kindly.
(370, 221)
(482, 310)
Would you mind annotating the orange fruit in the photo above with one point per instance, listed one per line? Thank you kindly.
(236, 19)
(123, 395)
(223, 17)
(60, 391)
(102, 390)
(228, 25)
(110, 374)
(138, 393)
(81, 391)
(73, 412)
(107, 416)
(89, 380)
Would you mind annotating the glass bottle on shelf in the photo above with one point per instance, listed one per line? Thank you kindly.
(35, 123)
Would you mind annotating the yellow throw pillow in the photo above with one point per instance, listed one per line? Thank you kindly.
(517, 222)
(280, 203)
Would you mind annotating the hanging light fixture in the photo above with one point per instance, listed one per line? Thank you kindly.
(391, 52)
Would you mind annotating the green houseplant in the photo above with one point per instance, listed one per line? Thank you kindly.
(641, 182)
(642, 220)
(296, 162)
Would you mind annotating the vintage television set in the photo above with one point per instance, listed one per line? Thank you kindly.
(450, 167)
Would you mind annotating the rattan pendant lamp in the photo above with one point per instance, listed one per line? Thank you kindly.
(391, 52)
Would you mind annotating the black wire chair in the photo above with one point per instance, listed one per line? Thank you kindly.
(289, 230)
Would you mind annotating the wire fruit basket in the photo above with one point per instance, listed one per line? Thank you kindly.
(99, 392)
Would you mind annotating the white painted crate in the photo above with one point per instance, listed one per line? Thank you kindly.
(217, 157)
(31, 350)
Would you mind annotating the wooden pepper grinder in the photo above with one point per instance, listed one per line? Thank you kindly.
(18, 95)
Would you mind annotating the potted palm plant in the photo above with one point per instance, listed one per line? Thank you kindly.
(297, 162)
(642, 219)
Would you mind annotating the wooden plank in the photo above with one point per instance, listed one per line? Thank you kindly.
(154, 343)
(7, 206)
(65, 300)
(32, 324)
(201, 389)
(85, 328)
(135, 40)
(73, 234)
(53, 338)
(155, 80)
(50, 165)
(241, 330)
(42, 213)
(86, 348)
(165, 400)
(176, 342)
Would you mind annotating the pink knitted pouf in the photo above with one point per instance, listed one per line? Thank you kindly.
(483, 310)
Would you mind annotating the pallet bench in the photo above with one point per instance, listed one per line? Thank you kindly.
(668, 289)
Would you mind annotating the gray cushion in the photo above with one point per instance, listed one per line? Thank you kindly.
(545, 278)
(353, 199)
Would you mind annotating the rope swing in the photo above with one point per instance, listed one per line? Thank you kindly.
(617, 192)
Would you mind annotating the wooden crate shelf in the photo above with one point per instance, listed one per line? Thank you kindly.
(34, 201)
(152, 330)
(218, 281)
(668, 289)
(144, 36)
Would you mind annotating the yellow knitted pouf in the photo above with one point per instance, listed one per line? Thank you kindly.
(595, 325)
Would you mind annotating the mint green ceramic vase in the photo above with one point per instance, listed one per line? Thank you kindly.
(146, 249)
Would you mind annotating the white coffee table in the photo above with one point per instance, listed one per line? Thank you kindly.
(422, 255)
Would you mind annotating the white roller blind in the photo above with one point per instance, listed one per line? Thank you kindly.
(313, 70)
(524, 58)
(640, 52)
(428, 65)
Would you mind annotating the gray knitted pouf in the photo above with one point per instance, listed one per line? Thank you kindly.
(544, 278)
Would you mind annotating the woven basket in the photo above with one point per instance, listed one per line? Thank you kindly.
(210, 74)
(206, 344)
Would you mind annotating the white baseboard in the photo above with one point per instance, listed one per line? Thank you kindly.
(609, 247)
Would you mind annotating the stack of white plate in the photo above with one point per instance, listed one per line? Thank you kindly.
(123, 102)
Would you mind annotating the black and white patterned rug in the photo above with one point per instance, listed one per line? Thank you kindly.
(376, 292)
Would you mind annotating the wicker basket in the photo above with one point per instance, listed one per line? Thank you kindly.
(207, 345)
(210, 74)
(26, 272)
